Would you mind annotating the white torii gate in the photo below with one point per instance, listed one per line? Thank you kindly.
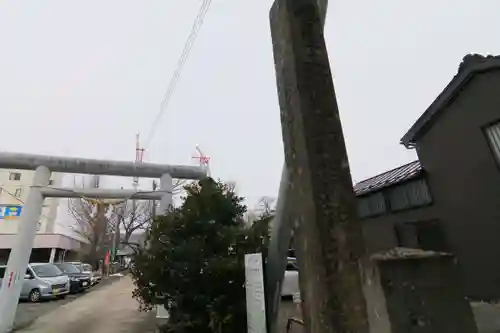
(43, 166)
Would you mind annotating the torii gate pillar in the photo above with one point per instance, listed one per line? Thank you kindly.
(328, 240)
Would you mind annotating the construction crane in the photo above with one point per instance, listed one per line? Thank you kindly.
(203, 160)
(139, 154)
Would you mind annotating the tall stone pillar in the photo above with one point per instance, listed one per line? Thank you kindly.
(328, 239)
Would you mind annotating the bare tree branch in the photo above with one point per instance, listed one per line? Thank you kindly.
(91, 220)
(99, 223)
(178, 186)
(267, 204)
(83, 213)
(132, 216)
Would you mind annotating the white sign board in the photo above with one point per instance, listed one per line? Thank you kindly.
(161, 312)
(255, 297)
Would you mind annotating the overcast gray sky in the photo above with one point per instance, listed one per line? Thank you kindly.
(80, 78)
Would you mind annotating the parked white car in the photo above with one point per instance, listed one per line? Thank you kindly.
(290, 286)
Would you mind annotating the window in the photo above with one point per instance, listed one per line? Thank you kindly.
(370, 205)
(68, 268)
(18, 192)
(87, 268)
(46, 270)
(406, 235)
(493, 135)
(424, 235)
(15, 176)
(409, 195)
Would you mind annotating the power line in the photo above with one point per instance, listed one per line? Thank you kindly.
(198, 22)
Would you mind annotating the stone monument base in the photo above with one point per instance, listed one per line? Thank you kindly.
(410, 290)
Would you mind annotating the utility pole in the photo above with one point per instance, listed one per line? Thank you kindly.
(328, 237)
(102, 232)
(139, 155)
(153, 209)
(117, 238)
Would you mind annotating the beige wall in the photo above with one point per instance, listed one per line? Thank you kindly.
(44, 241)
(7, 197)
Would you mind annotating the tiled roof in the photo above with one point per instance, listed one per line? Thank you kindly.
(392, 177)
(471, 65)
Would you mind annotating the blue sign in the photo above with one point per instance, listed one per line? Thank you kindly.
(10, 211)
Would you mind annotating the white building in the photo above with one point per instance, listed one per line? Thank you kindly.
(51, 242)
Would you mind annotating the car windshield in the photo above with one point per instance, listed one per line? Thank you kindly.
(68, 268)
(46, 270)
(87, 268)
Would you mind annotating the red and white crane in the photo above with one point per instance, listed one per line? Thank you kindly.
(203, 160)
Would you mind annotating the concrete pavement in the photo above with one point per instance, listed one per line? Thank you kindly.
(109, 309)
(27, 312)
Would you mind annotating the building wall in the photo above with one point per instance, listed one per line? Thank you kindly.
(404, 215)
(9, 190)
(465, 180)
(380, 233)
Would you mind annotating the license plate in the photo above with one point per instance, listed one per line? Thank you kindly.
(84, 284)
(55, 291)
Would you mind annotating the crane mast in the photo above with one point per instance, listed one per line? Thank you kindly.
(139, 154)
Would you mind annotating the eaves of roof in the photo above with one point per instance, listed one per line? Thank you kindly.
(471, 65)
(389, 178)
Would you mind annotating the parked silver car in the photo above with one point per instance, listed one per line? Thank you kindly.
(42, 281)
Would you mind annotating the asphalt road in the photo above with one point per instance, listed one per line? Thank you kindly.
(28, 312)
(288, 309)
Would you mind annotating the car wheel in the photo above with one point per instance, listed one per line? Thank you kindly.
(34, 296)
